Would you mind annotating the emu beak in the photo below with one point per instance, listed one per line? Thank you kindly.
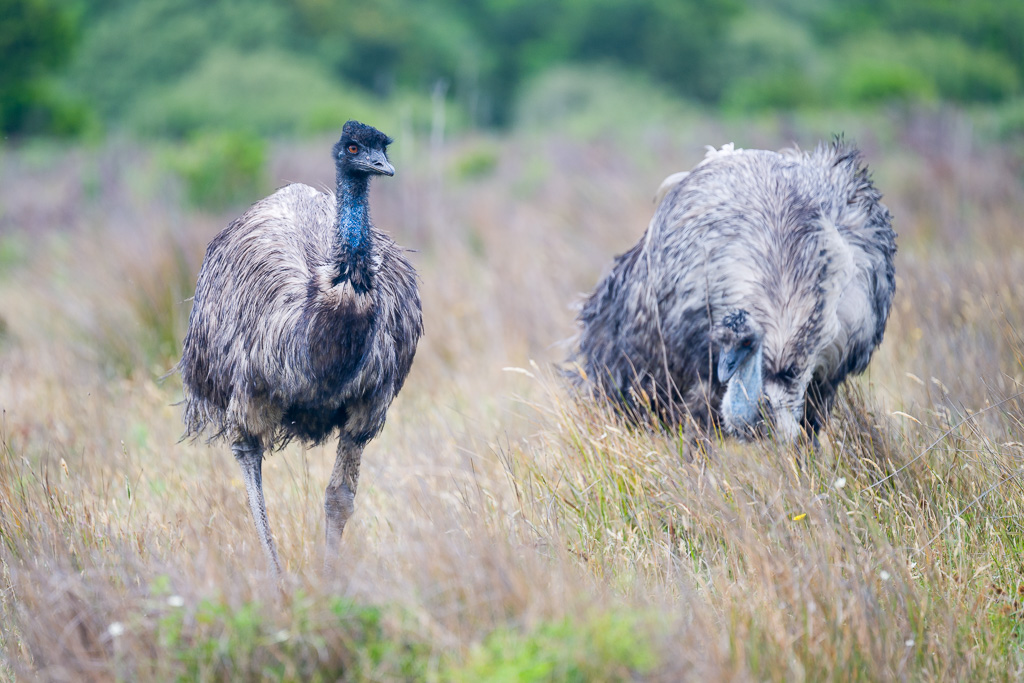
(375, 161)
(729, 362)
(384, 167)
(726, 366)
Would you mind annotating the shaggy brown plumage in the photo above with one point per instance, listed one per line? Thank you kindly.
(305, 322)
(763, 280)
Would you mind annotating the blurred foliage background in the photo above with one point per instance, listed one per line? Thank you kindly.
(178, 68)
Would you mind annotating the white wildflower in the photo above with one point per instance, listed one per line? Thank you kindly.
(909, 642)
(176, 601)
(884, 575)
(840, 483)
(115, 630)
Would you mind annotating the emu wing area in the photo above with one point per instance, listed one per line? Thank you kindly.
(275, 348)
(799, 239)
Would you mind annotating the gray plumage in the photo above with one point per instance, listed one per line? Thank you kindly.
(763, 280)
(304, 323)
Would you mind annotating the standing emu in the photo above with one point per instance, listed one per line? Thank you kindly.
(305, 320)
(763, 280)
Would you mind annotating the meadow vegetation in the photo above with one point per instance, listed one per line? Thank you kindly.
(503, 529)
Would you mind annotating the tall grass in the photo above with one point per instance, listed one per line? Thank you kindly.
(885, 552)
(505, 530)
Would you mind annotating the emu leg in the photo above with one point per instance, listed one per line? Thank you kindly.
(339, 500)
(250, 457)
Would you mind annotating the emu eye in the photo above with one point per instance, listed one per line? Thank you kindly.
(353, 149)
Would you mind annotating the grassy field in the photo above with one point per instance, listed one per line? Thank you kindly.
(504, 531)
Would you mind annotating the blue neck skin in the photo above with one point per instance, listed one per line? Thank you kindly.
(744, 390)
(354, 218)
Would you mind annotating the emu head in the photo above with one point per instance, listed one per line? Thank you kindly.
(362, 150)
(740, 367)
(759, 397)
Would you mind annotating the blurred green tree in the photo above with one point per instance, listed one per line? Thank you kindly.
(36, 38)
(387, 43)
(134, 48)
(162, 65)
(267, 93)
(840, 53)
(487, 48)
(674, 41)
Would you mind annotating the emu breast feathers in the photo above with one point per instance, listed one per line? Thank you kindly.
(286, 335)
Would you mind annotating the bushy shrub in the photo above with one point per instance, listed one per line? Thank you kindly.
(265, 93)
(221, 169)
(1009, 122)
(772, 62)
(960, 72)
(778, 90)
(871, 80)
(131, 50)
(588, 101)
(607, 647)
(36, 37)
(884, 67)
(477, 162)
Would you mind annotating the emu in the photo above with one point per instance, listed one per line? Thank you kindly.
(305, 322)
(762, 281)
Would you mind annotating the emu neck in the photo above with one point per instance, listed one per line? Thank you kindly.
(743, 395)
(354, 227)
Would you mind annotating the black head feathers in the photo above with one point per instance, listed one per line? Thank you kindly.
(363, 135)
(734, 328)
(737, 322)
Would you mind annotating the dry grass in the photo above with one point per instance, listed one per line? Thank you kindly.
(502, 530)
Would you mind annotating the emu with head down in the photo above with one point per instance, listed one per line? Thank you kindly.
(763, 280)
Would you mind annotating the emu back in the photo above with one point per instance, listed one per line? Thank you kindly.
(762, 281)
